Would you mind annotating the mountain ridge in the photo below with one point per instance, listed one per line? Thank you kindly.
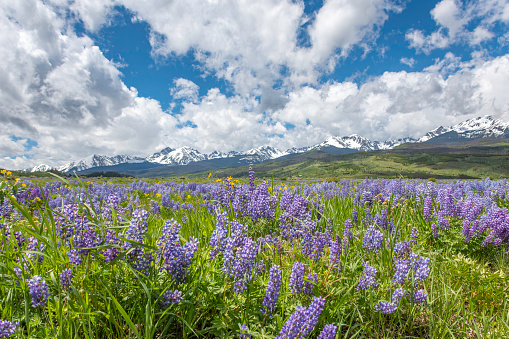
(479, 127)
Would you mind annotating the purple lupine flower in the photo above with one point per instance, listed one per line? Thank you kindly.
(272, 291)
(367, 281)
(328, 332)
(397, 295)
(166, 200)
(6, 209)
(296, 282)
(434, 231)
(171, 297)
(136, 232)
(335, 253)
(312, 315)
(402, 267)
(487, 240)
(414, 235)
(112, 252)
(314, 245)
(302, 322)
(402, 249)
(177, 258)
(217, 242)
(368, 218)
(466, 231)
(420, 266)
(367, 197)
(33, 245)
(386, 307)
(443, 223)
(8, 328)
(372, 240)
(389, 307)
(347, 232)
(251, 179)
(292, 326)
(244, 264)
(244, 332)
(143, 261)
(420, 296)
(381, 220)
(20, 239)
(84, 236)
(428, 208)
(38, 290)
(66, 278)
(355, 216)
(154, 207)
(74, 257)
(312, 280)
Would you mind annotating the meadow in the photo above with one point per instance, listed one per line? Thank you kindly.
(225, 258)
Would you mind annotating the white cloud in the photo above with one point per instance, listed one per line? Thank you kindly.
(185, 89)
(399, 104)
(448, 14)
(225, 123)
(11, 147)
(480, 34)
(453, 20)
(59, 90)
(410, 62)
(343, 24)
(248, 43)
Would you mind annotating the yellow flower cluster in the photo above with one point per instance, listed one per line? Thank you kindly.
(5, 172)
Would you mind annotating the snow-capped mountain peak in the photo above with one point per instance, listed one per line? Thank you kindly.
(353, 141)
(179, 156)
(39, 168)
(263, 153)
(481, 127)
(159, 156)
(98, 161)
(434, 133)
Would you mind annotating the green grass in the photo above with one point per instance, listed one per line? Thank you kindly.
(382, 165)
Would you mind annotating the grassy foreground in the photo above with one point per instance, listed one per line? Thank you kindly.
(354, 259)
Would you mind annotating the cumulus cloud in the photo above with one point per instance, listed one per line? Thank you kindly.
(60, 90)
(11, 146)
(458, 23)
(185, 89)
(250, 43)
(399, 104)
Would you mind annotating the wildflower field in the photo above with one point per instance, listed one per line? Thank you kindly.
(254, 259)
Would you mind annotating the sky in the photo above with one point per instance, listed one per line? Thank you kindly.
(83, 77)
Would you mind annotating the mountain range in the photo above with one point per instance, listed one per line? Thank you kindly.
(481, 127)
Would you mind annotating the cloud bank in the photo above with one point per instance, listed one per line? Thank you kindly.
(61, 99)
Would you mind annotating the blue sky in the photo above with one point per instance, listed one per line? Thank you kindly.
(123, 77)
